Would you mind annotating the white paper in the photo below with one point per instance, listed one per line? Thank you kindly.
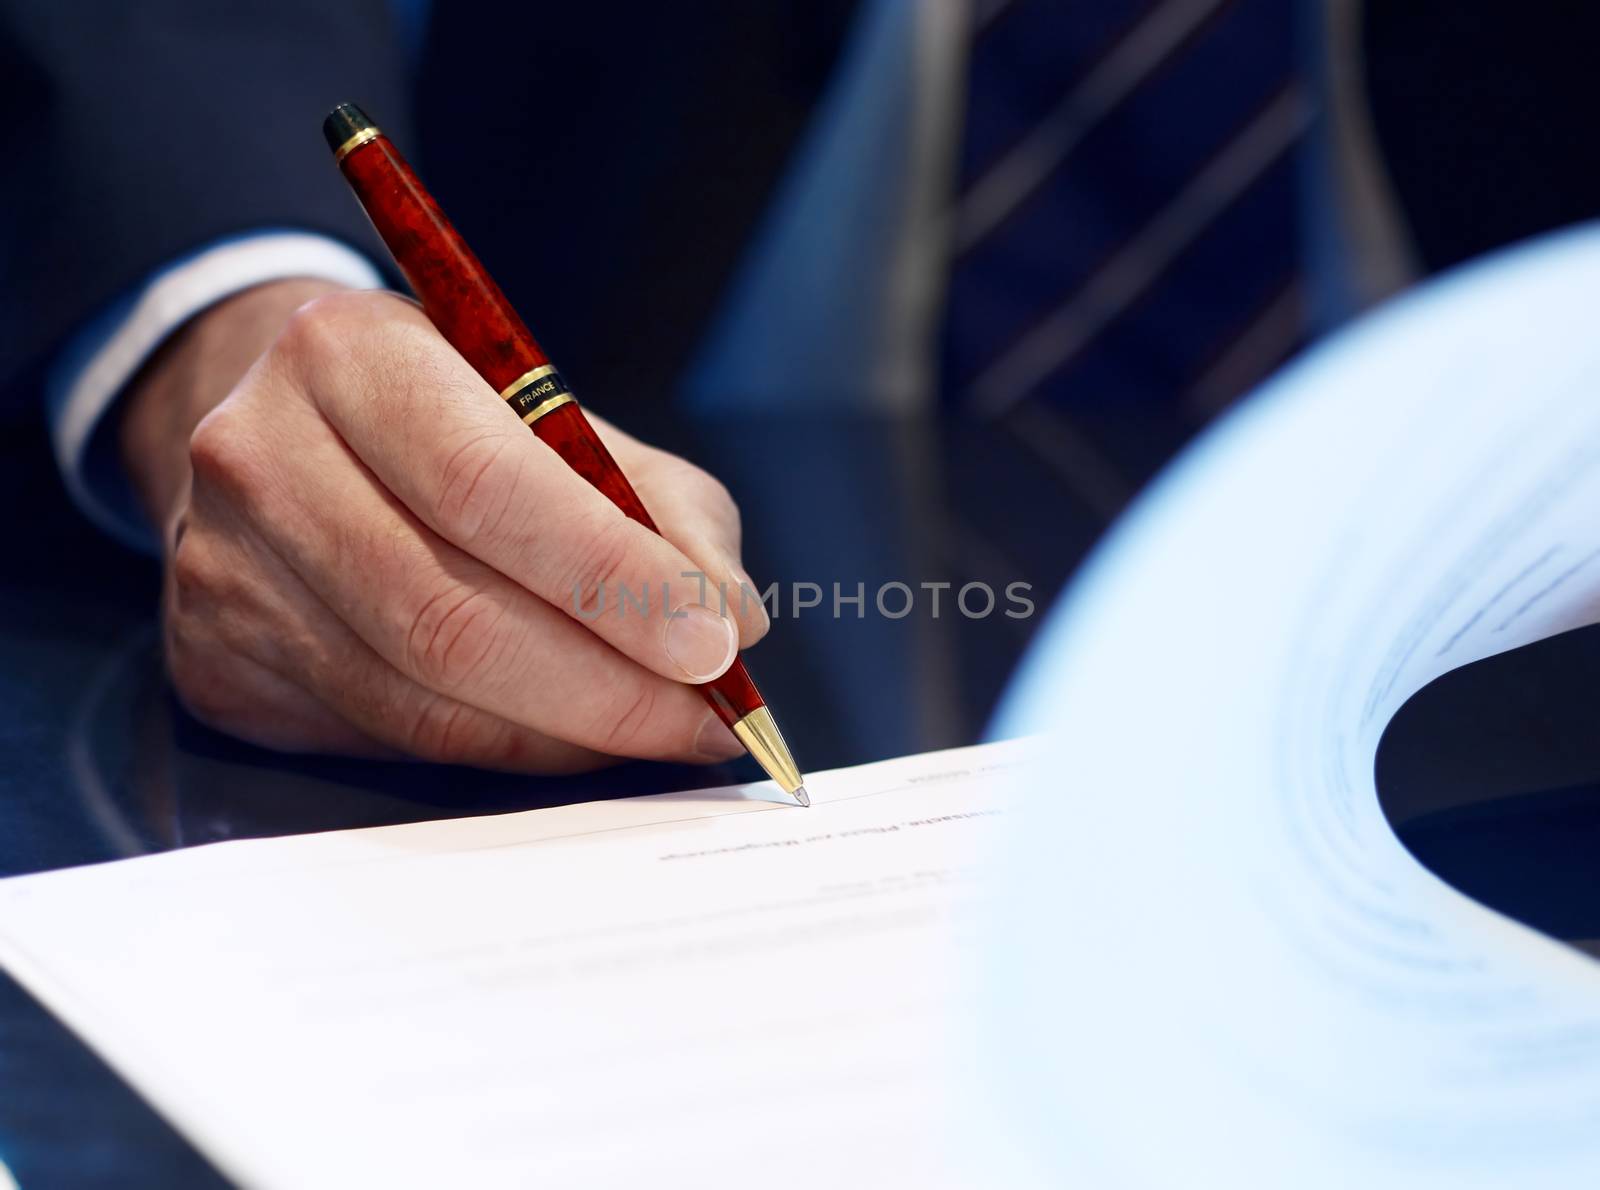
(687, 990)
(1279, 994)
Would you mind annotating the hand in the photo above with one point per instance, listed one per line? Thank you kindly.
(368, 552)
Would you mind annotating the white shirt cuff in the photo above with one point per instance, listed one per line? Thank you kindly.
(166, 302)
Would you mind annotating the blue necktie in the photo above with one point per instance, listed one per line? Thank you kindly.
(1126, 221)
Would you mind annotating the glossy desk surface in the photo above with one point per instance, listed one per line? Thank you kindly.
(100, 763)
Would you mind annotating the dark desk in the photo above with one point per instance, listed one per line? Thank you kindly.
(100, 763)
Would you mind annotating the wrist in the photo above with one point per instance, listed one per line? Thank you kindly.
(191, 373)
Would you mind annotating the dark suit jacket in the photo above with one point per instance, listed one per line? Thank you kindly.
(608, 161)
(605, 160)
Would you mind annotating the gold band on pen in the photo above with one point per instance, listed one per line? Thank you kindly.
(537, 392)
(355, 142)
(527, 378)
(546, 406)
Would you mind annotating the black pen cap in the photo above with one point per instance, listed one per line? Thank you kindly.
(342, 123)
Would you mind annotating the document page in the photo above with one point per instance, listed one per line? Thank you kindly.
(685, 990)
(1281, 994)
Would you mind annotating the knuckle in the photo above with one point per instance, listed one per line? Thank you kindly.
(477, 487)
(195, 572)
(621, 735)
(222, 451)
(597, 567)
(457, 634)
(714, 494)
(328, 327)
(709, 493)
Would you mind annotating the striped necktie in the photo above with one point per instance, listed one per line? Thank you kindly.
(1126, 220)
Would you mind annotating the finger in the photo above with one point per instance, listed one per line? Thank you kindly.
(447, 623)
(405, 715)
(226, 689)
(453, 452)
(263, 708)
(291, 636)
(696, 513)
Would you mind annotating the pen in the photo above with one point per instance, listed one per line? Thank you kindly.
(463, 301)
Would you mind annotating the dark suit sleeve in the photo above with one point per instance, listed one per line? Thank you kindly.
(136, 132)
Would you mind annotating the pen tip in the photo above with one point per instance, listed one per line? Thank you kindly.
(802, 797)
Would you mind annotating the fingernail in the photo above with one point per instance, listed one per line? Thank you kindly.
(700, 642)
(715, 742)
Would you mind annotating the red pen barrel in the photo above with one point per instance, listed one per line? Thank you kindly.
(474, 316)
(456, 290)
